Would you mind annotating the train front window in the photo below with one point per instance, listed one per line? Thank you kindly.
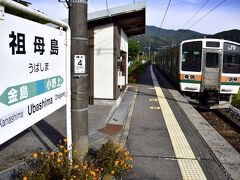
(231, 58)
(192, 56)
(231, 63)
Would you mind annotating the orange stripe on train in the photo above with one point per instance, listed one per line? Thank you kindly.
(224, 79)
(197, 77)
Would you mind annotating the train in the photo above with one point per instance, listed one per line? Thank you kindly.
(206, 70)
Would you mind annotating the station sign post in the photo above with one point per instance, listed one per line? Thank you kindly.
(32, 73)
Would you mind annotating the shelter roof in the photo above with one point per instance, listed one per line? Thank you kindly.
(131, 17)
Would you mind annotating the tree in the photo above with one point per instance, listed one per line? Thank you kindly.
(133, 50)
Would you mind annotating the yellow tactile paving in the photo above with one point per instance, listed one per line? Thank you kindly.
(191, 170)
(189, 166)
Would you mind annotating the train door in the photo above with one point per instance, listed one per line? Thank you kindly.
(211, 69)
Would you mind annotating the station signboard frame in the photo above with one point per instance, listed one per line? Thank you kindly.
(34, 73)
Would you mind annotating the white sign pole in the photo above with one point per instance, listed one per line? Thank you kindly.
(68, 105)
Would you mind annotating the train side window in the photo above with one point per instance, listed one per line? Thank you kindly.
(212, 60)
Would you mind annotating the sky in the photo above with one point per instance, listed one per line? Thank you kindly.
(224, 17)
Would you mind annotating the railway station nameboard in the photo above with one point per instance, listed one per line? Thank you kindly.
(32, 73)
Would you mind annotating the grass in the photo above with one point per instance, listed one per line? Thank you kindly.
(236, 100)
(134, 71)
(110, 159)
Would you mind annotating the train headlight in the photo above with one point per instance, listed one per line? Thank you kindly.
(192, 77)
(186, 77)
(230, 79)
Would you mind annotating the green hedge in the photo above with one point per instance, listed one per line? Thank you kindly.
(134, 70)
(236, 100)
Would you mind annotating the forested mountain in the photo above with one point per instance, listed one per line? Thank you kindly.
(232, 35)
(166, 38)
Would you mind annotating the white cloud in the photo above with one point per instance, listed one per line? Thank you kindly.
(53, 9)
(192, 1)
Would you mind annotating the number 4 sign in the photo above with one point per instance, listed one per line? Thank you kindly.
(79, 64)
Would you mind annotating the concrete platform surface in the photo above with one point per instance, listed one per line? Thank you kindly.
(47, 133)
(138, 121)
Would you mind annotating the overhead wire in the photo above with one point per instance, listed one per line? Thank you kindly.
(206, 14)
(169, 2)
(108, 9)
(195, 13)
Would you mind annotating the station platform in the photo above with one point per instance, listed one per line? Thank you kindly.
(166, 136)
(169, 139)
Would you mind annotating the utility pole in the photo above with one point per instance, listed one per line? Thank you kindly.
(154, 57)
(79, 75)
(149, 51)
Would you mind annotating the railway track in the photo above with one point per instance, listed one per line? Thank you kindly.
(233, 114)
(226, 122)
